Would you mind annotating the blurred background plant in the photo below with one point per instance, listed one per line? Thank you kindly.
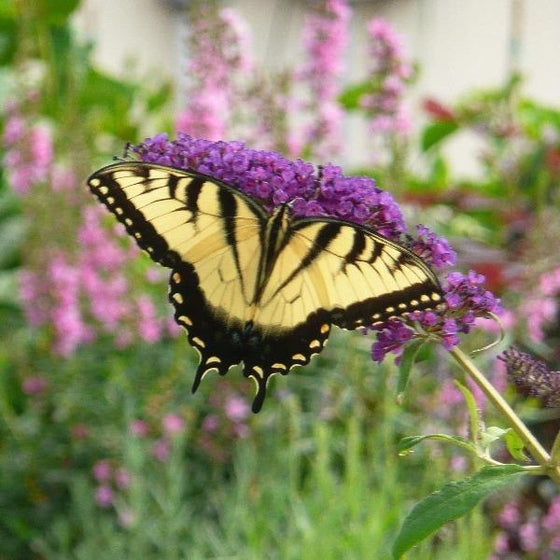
(103, 450)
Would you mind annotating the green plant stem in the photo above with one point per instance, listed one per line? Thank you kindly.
(532, 444)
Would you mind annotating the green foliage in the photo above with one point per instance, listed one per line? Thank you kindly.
(436, 132)
(451, 502)
(320, 472)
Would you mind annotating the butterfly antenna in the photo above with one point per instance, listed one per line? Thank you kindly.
(318, 181)
(126, 153)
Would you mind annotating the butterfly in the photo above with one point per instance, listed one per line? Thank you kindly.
(255, 287)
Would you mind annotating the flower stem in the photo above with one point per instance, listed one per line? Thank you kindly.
(537, 450)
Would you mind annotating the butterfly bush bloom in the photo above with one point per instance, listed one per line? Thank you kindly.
(325, 36)
(28, 150)
(466, 299)
(218, 51)
(390, 74)
(541, 307)
(532, 377)
(274, 180)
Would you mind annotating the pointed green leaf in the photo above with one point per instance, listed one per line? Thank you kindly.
(407, 361)
(490, 435)
(351, 97)
(436, 132)
(409, 442)
(515, 445)
(454, 500)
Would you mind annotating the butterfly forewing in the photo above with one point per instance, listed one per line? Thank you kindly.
(179, 217)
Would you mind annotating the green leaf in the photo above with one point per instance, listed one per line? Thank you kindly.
(9, 292)
(409, 442)
(12, 233)
(350, 98)
(454, 500)
(439, 172)
(491, 435)
(8, 39)
(474, 422)
(436, 132)
(407, 360)
(54, 12)
(515, 445)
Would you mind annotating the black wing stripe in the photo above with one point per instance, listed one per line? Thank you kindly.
(194, 189)
(228, 205)
(326, 234)
(358, 245)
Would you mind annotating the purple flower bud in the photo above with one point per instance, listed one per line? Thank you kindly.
(104, 496)
(173, 424)
(102, 470)
(34, 385)
(532, 377)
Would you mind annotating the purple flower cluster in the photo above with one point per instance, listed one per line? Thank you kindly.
(28, 150)
(390, 73)
(528, 531)
(108, 479)
(540, 308)
(273, 179)
(228, 422)
(434, 250)
(325, 38)
(75, 289)
(218, 51)
(532, 377)
(466, 299)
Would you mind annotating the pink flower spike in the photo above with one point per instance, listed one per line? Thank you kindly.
(122, 478)
(102, 470)
(104, 496)
(173, 424)
(138, 428)
(34, 385)
(161, 450)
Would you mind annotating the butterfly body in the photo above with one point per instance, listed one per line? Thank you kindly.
(258, 288)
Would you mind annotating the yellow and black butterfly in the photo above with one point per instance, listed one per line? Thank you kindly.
(258, 288)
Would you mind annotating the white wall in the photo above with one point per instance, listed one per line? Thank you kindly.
(460, 44)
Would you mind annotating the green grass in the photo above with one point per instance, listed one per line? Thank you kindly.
(308, 483)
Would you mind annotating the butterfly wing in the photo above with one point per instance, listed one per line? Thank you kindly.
(332, 272)
(214, 238)
(208, 233)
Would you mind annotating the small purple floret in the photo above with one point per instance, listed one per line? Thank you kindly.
(433, 249)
